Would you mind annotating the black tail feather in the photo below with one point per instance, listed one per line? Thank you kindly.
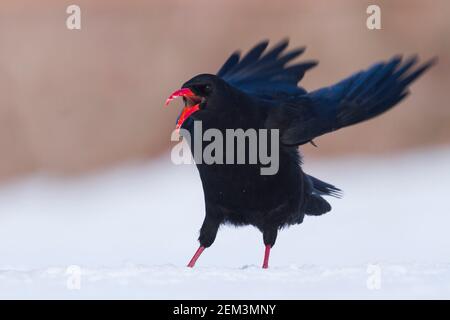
(322, 188)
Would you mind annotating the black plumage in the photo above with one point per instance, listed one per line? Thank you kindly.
(260, 91)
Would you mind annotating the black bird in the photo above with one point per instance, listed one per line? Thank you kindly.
(260, 91)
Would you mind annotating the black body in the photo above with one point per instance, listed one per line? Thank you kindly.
(258, 91)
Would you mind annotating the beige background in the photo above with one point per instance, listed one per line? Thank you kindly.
(76, 101)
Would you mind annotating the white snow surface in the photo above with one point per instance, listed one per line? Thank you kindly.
(131, 231)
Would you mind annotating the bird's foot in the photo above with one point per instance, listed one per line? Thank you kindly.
(195, 257)
(266, 257)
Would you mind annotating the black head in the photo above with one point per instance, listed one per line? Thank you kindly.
(202, 92)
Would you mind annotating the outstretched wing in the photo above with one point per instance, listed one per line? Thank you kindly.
(264, 73)
(360, 97)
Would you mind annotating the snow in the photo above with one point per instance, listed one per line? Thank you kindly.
(128, 233)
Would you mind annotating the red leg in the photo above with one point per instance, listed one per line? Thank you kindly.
(266, 256)
(195, 257)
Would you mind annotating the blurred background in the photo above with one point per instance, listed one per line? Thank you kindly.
(74, 102)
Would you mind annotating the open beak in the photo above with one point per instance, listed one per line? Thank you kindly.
(192, 104)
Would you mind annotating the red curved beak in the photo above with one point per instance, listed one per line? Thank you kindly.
(188, 110)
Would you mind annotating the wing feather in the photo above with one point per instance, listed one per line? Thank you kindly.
(265, 73)
(357, 98)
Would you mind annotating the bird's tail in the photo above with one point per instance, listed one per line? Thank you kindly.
(322, 188)
(315, 204)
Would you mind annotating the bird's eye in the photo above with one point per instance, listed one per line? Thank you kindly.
(206, 89)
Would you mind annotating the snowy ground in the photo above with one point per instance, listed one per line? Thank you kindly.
(131, 231)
